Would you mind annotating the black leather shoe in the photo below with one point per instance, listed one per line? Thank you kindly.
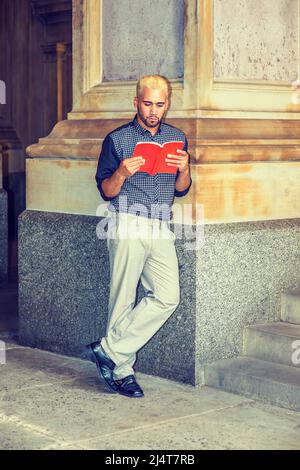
(129, 387)
(104, 364)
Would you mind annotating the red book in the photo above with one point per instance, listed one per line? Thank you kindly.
(155, 155)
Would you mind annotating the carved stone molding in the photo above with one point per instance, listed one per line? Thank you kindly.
(9, 138)
(210, 140)
(52, 11)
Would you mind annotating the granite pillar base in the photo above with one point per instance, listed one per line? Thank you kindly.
(234, 279)
(3, 236)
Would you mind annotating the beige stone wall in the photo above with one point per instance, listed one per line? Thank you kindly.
(243, 133)
(199, 93)
(227, 193)
(256, 39)
(149, 39)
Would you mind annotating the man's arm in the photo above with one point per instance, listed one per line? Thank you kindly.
(112, 186)
(111, 172)
(183, 182)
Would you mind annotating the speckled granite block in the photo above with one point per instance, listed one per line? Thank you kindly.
(234, 280)
(241, 272)
(3, 235)
(63, 279)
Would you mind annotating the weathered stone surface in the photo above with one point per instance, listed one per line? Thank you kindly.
(274, 383)
(54, 402)
(290, 306)
(275, 342)
(260, 41)
(161, 36)
(241, 271)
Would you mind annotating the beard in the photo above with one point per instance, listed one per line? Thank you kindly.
(148, 122)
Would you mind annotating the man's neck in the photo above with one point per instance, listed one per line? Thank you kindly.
(152, 130)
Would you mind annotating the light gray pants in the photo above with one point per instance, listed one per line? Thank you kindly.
(144, 249)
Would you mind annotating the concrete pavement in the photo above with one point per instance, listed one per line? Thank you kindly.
(50, 401)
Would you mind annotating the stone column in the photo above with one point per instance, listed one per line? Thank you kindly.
(243, 132)
(60, 51)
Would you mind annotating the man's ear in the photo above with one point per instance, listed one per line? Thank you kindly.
(135, 102)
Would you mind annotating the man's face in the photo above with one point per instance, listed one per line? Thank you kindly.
(151, 107)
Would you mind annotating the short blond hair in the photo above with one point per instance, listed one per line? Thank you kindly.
(155, 82)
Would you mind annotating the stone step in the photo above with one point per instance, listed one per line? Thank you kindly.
(276, 384)
(290, 306)
(275, 342)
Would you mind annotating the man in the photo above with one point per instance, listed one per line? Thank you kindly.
(134, 256)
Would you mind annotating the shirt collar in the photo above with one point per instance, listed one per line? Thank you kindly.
(141, 129)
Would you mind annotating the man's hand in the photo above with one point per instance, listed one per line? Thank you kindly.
(129, 166)
(181, 161)
(112, 186)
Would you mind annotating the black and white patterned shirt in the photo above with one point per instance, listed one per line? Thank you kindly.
(141, 193)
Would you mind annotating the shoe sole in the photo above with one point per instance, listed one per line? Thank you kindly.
(130, 396)
(104, 371)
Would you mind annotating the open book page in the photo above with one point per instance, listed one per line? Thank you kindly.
(155, 155)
